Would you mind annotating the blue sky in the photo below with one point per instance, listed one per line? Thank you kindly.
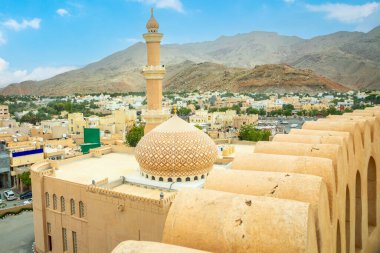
(41, 38)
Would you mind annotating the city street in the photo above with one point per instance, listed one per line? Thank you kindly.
(16, 233)
(11, 203)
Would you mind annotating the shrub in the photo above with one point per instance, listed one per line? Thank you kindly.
(250, 133)
(134, 135)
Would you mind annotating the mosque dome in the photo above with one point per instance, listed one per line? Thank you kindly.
(152, 24)
(176, 151)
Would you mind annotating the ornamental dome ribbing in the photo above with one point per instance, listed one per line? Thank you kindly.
(152, 24)
(176, 149)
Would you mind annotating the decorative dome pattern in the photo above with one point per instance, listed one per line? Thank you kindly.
(152, 24)
(176, 149)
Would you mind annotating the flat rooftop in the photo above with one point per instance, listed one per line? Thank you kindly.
(111, 166)
(115, 165)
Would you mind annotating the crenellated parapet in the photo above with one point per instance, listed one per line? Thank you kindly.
(164, 202)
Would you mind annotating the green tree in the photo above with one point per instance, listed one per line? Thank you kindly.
(211, 110)
(134, 135)
(32, 118)
(251, 110)
(183, 111)
(250, 133)
(25, 179)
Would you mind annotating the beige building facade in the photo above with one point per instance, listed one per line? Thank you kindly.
(94, 210)
(4, 112)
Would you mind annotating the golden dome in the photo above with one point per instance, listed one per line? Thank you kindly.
(152, 24)
(175, 149)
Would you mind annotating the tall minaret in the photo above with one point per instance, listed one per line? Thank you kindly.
(153, 72)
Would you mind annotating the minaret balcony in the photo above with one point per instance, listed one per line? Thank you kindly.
(154, 116)
(153, 37)
(154, 72)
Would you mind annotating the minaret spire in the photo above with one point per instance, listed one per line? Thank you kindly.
(153, 72)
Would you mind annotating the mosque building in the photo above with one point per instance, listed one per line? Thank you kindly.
(313, 190)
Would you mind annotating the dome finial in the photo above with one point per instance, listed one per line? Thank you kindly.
(152, 24)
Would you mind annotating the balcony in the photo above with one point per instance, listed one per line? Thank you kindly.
(154, 72)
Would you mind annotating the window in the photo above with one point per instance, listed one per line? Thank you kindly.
(64, 238)
(187, 179)
(160, 179)
(48, 228)
(63, 207)
(75, 243)
(81, 209)
(54, 202)
(179, 179)
(47, 199)
(72, 206)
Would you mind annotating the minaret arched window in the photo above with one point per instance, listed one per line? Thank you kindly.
(72, 206)
(81, 209)
(63, 207)
(54, 201)
(47, 199)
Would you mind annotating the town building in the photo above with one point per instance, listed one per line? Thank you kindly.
(241, 120)
(4, 112)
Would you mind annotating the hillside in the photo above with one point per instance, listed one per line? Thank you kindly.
(262, 78)
(348, 58)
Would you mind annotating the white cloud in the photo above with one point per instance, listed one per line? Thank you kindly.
(2, 39)
(132, 40)
(17, 26)
(345, 13)
(62, 12)
(8, 76)
(165, 4)
(3, 64)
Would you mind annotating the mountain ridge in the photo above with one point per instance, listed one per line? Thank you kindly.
(348, 58)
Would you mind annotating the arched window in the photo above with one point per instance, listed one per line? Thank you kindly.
(81, 209)
(72, 206)
(179, 179)
(54, 202)
(161, 179)
(196, 178)
(170, 179)
(358, 212)
(47, 199)
(146, 176)
(187, 179)
(371, 194)
(153, 178)
(63, 207)
(203, 176)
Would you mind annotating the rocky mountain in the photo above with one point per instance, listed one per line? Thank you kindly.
(262, 78)
(349, 58)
